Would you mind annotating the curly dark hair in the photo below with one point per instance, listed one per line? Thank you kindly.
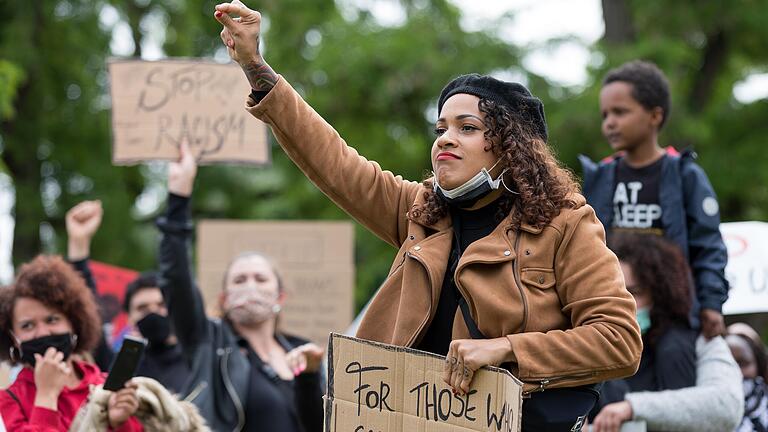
(660, 267)
(545, 187)
(650, 86)
(53, 282)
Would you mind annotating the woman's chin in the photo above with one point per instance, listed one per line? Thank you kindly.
(446, 179)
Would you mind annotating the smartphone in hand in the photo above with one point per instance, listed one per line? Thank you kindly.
(125, 363)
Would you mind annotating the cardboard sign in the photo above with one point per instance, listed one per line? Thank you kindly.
(747, 269)
(155, 105)
(384, 388)
(315, 261)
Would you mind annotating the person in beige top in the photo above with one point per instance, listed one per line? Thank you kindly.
(500, 260)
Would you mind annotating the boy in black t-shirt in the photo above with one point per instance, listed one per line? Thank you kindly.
(645, 188)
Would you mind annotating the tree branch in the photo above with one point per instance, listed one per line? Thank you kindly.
(713, 61)
(619, 25)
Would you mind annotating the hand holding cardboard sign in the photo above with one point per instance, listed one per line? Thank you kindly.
(465, 356)
(242, 36)
(181, 174)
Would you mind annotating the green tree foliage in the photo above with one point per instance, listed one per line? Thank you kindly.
(10, 77)
(55, 134)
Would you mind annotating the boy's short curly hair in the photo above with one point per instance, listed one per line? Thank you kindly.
(53, 282)
(650, 86)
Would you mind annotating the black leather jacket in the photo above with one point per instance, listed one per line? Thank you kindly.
(220, 370)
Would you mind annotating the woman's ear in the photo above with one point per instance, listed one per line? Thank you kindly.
(16, 342)
(657, 116)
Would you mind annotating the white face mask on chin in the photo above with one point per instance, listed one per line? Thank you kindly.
(467, 194)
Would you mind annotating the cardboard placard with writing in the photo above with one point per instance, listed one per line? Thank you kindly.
(157, 104)
(315, 261)
(747, 268)
(375, 387)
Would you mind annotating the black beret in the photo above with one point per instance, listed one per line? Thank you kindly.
(512, 95)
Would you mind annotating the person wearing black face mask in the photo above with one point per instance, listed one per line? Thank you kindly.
(48, 324)
(147, 313)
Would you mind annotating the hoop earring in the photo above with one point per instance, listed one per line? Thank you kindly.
(507, 188)
(11, 355)
(73, 341)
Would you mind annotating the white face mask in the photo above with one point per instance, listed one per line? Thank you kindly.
(472, 190)
(248, 306)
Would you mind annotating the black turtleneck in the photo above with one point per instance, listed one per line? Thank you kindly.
(468, 226)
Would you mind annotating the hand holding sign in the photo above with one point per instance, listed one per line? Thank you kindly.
(241, 36)
(465, 356)
(181, 174)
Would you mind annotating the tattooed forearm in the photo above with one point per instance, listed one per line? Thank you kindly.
(260, 75)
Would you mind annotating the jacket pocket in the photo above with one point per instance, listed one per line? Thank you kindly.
(540, 278)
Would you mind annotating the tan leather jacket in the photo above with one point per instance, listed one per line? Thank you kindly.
(556, 293)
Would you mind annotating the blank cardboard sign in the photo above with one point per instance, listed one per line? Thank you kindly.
(315, 260)
(384, 388)
(157, 104)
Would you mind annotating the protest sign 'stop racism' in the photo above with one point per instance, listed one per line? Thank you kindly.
(156, 105)
(375, 387)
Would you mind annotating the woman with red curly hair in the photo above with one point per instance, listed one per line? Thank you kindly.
(500, 260)
(48, 317)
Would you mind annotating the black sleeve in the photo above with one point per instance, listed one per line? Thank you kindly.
(676, 359)
(309, 401)
(706, 249)
(185, 303)
(102, 354)
(258, 95)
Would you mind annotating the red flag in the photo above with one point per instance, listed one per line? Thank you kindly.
(110, 285)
